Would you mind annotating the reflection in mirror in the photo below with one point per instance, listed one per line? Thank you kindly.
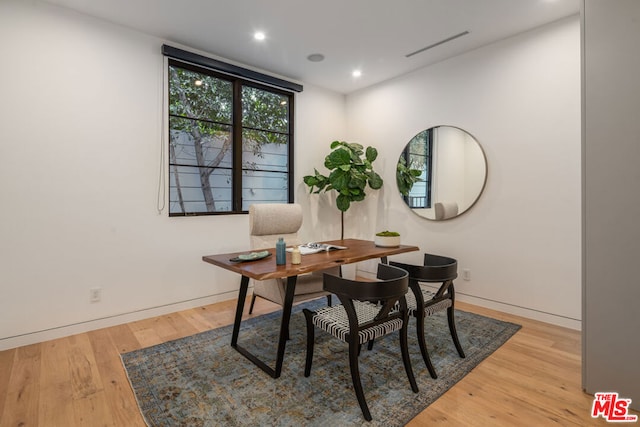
(441, 172)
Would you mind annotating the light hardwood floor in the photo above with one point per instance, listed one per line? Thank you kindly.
(534, 379)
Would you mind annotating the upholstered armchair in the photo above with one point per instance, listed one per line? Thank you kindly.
(446, 210)
(268, 222)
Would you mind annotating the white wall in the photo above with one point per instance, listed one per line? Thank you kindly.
(520, 98)
(81, 120)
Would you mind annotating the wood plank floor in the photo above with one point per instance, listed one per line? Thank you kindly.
(534, 379)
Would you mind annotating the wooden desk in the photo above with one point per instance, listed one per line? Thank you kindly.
(357, 250)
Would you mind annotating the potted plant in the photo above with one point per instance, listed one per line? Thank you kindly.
(387, 239)
(351, 171)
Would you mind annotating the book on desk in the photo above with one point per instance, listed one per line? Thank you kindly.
(314, 248)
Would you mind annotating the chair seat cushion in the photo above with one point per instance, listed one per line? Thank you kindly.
(427, 295)
(334, 320)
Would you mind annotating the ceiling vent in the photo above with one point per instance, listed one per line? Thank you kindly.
(448, 39)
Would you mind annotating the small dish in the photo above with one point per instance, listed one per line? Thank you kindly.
(253, 256)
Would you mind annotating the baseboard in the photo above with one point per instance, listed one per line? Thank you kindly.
(105, 322)
(529, 313)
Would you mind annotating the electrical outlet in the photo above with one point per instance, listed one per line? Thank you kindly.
(95, 294)
(466, 274)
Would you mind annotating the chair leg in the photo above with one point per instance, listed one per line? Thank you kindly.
(404, 347)
(454, 333)
(370, 345)
(423, 344)
(329, 300)
(253, 300)
(308, 314)
(355, 377)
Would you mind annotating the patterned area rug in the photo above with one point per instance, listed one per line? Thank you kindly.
(201, 381)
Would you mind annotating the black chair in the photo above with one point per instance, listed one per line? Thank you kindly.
(422, 302)
(358, 319)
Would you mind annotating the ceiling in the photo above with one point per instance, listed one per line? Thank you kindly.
(371, 35)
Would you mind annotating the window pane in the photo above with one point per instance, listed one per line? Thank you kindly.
(264, 187)
(265, 168)
(194, 189)
(197, 95)
(199, 143)
(258, 153)
(264, 110)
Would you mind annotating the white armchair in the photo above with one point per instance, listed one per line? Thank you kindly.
(446, 210)
(267, 222)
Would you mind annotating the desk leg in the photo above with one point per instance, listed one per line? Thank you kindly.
(244, 285)
(284, 327)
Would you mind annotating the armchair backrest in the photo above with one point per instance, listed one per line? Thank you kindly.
(269, 221)
(446, 210)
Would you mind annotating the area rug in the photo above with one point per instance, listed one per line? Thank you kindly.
(201, 381)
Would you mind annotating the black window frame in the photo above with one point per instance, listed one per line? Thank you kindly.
(238, 83)
(429, 167)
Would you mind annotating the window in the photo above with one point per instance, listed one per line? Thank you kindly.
(230, 142)
(418, 155)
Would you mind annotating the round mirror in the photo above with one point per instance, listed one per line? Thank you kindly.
(441, 172)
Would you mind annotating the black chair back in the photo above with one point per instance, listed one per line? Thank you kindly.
(390, 289)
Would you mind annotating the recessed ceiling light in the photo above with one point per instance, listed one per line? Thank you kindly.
(316, 57)
(356, 73)
(259, 35)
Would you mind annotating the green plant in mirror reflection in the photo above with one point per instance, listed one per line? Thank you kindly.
(406, 177)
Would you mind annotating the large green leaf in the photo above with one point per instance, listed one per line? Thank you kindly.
(339, 179)
(337, 158)
(343, 202)
(310, 180)
(358, 180)
(372, 154)
(375, 180)
(318, 180)
(358, 197)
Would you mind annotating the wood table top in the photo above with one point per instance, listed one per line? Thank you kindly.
(266, 268)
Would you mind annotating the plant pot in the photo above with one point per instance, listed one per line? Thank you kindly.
(387, 241)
